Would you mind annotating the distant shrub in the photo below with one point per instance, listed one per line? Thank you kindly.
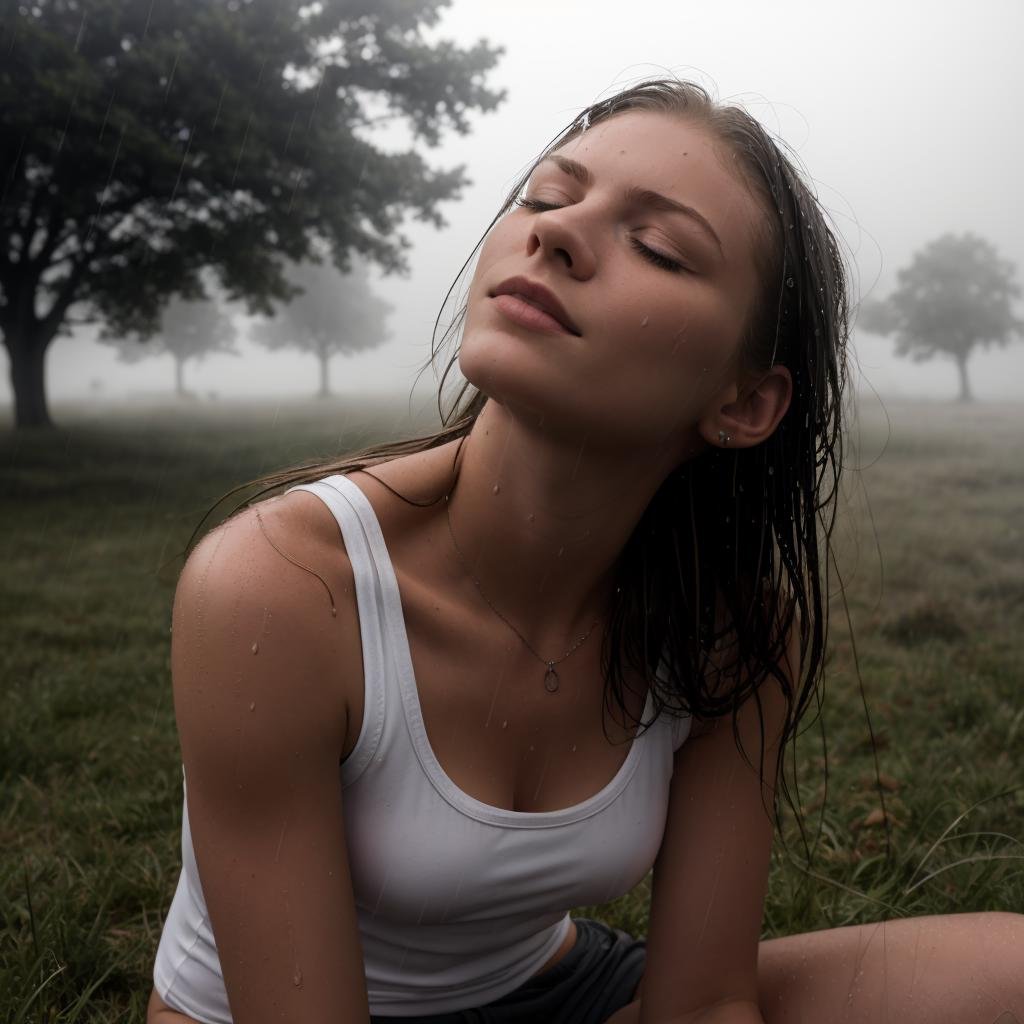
(926, 622)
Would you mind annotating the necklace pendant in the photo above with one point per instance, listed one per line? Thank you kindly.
(551, 678)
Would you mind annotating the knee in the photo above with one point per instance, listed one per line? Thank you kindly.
(1001, 935)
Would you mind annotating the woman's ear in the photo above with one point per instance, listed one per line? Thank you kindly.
(748, 414)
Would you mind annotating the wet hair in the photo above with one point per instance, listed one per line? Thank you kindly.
(732, 552)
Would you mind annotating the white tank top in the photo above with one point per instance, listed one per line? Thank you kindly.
(458, 902)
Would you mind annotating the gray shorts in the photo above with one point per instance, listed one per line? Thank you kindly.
(594, 979)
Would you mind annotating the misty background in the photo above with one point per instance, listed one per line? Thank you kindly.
(904, 114)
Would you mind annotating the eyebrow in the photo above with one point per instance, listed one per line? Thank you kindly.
(641, 196)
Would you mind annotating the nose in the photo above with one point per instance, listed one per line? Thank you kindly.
(557, 237)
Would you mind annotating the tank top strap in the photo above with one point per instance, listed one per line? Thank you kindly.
(371, 566)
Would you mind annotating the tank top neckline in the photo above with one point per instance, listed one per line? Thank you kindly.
(394, 624)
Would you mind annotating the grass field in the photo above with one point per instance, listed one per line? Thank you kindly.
(929, 545)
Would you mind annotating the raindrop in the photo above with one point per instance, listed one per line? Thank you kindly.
(504, 724)
(256, 647)
(496, 488)
(297, 978)
(643, 323)
(252, 705)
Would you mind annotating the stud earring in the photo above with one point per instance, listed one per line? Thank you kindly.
(723, 437)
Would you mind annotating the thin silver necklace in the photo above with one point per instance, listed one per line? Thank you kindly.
(551, 680)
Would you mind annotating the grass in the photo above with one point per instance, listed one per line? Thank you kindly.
(90, 781)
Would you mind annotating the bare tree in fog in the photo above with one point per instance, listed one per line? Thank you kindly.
(143, 142)
(953, 297)
(334, 313)
(189, 330)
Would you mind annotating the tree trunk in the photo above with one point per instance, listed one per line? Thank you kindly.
(325, 388)
(965, 388)
(179, 375)
(27, 352)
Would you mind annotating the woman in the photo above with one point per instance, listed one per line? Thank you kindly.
(521, 637)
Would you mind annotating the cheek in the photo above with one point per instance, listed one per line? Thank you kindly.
(698, 334)
(495, 247)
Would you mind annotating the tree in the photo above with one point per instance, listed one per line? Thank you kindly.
(141, 142)
(954, 296)
(188, 330)
(334, 313)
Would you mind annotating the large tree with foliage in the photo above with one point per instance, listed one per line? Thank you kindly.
(189, 330)
(141, 142)
(954, 296)
(334, 313)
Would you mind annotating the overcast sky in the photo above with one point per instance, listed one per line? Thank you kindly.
(906, 113)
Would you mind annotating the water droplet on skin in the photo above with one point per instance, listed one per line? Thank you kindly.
(496, 488)
(334, 611)
(644, 322)
(256, 647)
(252, 705)
(574, 748)
(297, 978)
(504, 724)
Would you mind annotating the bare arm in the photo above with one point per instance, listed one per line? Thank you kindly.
(261, 714)
(711, 874)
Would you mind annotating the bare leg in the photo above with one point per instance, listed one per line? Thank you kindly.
(953, 969)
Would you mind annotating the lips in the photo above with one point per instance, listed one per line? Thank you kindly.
(538, 296)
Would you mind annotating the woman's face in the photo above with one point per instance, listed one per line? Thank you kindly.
(643, 235)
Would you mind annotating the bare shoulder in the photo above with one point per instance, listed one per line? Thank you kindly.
(261, 670)
(270, 592)
(299, 524)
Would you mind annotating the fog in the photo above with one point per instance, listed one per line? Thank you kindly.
(906, 115)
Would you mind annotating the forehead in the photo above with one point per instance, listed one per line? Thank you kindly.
(667, 154)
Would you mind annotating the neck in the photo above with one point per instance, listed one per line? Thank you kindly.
(541, 522)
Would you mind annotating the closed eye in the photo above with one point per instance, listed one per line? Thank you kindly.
(659, 259)
(652, 256)
(536, 205)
